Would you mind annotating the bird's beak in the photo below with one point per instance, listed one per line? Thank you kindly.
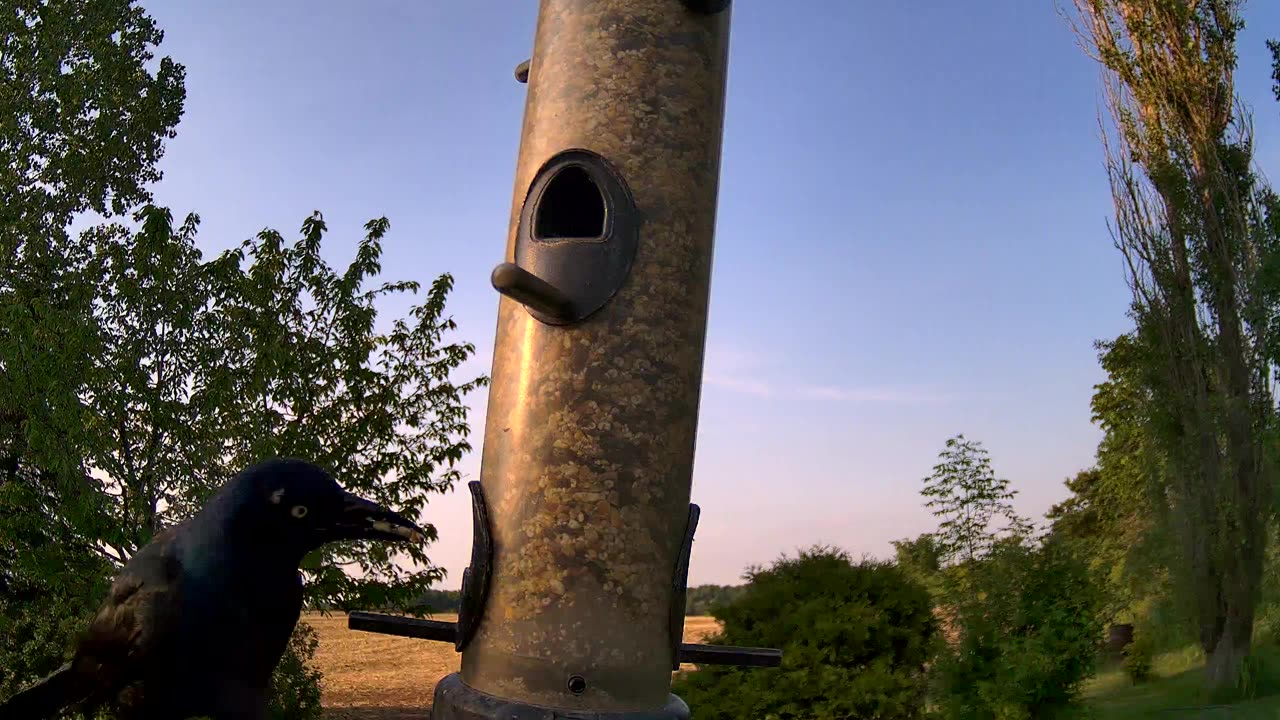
(365, 520)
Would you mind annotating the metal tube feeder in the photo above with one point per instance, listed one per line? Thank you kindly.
(573, 605)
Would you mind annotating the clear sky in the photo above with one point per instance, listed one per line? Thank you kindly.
(911, 241)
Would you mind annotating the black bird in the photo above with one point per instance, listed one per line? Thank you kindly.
(196, 622)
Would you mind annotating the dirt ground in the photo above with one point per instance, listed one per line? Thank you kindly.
(379, 677)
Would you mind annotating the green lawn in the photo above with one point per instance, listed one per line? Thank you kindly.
(1174, 693)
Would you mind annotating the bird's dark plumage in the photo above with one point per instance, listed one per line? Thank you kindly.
(196, 622)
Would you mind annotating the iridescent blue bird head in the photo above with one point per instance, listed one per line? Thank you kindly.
(301, 504)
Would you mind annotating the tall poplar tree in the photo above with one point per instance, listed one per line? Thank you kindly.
(1198, 228)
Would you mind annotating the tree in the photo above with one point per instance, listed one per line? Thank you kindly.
(1274, 47)
(439, 601)
(854, 639)
(135, 376)
(205, 366)
(703, 599)
(1022, 613)
(1117, 515)
(83, 121)
(296, 366)
(965, 493)
(83, 116)
(1079, 518)
(1025, 630)
(921, 560)
(1199, 231)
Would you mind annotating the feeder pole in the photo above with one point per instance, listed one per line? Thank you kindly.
(574, 600)
(589, 436)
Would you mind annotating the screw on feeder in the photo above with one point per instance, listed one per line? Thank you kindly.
(522, 71)
(577, 684)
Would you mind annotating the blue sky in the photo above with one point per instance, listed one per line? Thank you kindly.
(911, 239)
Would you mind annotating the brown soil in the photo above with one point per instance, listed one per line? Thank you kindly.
(379, 677)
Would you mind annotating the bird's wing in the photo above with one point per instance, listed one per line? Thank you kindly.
(136, 618)
(136, 621)
(42, 699)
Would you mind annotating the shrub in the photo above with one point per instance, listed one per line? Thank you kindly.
(1138, 657)
(46, 593)
(1259, 675)
(855, 638)
(295, 686)
(35, 638)
(1028, 627)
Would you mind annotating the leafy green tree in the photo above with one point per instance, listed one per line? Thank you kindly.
(1138, 658)
(83, 119)
(1199, 231)
(1023, 614)
(1027, 626)
(921, 559)
(965, 493)
(132, 371)
(296, 366)
(1118, 514)
(1274, 47)
(855, 638)
(84, 112)
(205, 366)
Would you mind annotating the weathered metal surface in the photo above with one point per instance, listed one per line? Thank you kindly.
(454, 700)
(589, 437)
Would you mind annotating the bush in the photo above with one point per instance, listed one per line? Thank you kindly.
(855, 638)
(47, 592)
(1266, 624)
(35, 638)
(1138, 657)
(295, 687)
(1028, 627)
(1259, 675)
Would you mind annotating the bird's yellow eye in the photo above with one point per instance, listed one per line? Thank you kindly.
(298, 511)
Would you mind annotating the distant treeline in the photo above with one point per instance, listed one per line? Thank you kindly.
(432, 601)
(701, 599)
(440, 601)
(698, 601)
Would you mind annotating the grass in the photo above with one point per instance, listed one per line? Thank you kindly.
(1174, 693)
(379, 677)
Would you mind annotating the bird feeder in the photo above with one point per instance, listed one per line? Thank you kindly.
(573, 605)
